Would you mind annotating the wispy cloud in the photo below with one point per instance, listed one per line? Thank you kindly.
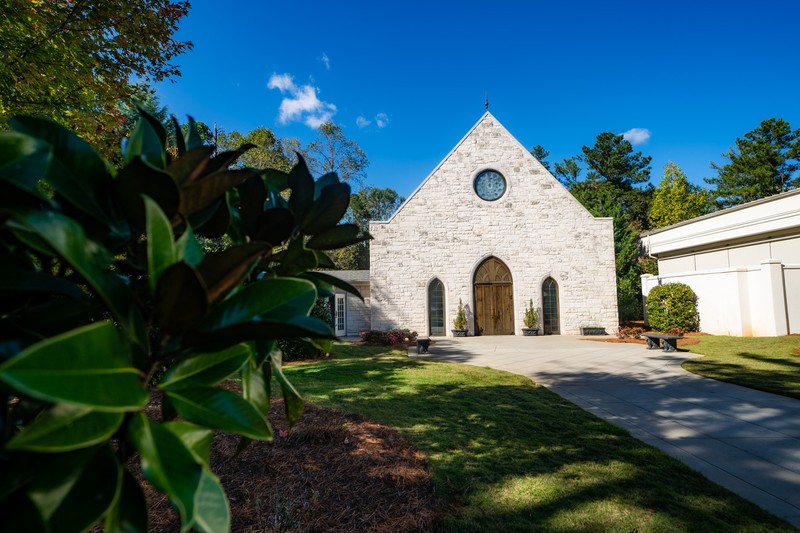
(326, 61)
(381, 120)
(637, 135)
(301, 103)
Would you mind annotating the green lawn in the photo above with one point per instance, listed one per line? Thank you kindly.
(507, 455)
(764, 363)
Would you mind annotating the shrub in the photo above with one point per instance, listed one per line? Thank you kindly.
(116, 306)
(393, 337)
(460, 321)
(531, 318)
(630, 333)
(297, 349)
(673, 305)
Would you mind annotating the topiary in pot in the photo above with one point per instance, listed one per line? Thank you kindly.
(531, 320)
(460, 321)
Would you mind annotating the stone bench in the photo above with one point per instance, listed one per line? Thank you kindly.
(668, 343)
(422, 345)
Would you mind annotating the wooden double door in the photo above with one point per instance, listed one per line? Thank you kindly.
(494, 299)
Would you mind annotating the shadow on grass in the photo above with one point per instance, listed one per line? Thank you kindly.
(509, 455)
(778, 375)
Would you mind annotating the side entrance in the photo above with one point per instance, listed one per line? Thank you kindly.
(494, 299)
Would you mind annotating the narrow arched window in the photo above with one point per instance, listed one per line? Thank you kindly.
(550, 320)
(436, 307)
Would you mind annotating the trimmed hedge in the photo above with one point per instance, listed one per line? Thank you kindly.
(673, 305)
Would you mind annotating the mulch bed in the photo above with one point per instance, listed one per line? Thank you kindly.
(686, 341)
(332, 472)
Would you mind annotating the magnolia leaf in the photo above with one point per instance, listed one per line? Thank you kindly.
(167, 463)
(302, 184)
(180, 298)
(19, 280)
(297, 296)
(200, 194)
(137, 179)
(212, 513)
(128, 512)
(65, 428)
(190, 165)
(254, 386)
(23, 159)
(337, 237)
(188, 249)
(89, 366)
(321, 277)
(252, 195)
(331, 178)
(161, 249)
(197, 439)
(180, 142)
(220, 409)
(292, 400)
(206, 368)
(274, 226)
(263, 329)
(222, 271)
(66, 237)
(144, 142)
(328, 209)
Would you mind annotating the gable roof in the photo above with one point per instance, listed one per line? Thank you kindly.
(485, 116)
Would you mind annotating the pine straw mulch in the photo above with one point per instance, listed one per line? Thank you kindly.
(688, 340)
(332, 472)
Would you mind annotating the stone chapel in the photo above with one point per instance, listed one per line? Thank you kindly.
(491, 227)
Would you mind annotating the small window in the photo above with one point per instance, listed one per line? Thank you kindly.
(436, 308)
(550, 320)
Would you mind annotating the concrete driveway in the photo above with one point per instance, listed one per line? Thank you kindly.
(745, 440)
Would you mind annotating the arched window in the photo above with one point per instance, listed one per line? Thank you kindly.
(550, 320)
(436, 307)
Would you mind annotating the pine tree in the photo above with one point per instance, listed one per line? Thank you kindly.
(676, 200)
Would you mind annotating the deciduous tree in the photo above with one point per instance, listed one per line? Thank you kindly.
(763, 163)
(332, 151)
(73, 60)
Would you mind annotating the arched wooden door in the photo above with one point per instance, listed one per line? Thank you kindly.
(494, 299)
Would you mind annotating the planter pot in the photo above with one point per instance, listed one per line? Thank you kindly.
(459, 332)
(593, 331)
(530, 332)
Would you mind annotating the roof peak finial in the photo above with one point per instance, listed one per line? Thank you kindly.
(486, 100)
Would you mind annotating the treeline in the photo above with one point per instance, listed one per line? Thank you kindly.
(611, 179)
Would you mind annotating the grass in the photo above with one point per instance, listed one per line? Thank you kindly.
(508, 455)
(770, 364)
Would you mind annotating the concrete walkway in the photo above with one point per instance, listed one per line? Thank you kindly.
(745, 440)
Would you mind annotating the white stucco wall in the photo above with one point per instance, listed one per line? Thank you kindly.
(444, 230)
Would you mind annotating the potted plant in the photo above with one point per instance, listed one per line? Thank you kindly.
(531, 320)
(460, 321)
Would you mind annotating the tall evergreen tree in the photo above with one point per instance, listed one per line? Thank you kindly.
(676, 200)
(763, 163)
(541, 154)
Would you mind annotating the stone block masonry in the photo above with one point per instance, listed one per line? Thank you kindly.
(536, 228)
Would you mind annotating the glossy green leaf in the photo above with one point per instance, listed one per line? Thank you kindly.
(296, 259)
(180, 299)
(128, 512)
(188, 249)
(180, 142)
(66, 427)
(88, 366)
(193, 139)
(254, 386)
(214, 221)
(212, 513)
(222, 271)
(90, 496)
(291, 398)
(145, 142)
(274, 226)
(322, 277)
(337, 237)
(252, 195)
(137, 179)
(23, 159)
(19, 280)
(161, 249)
(220, 409)
(302, 184)
(331, 178)
(76, 171)
(263, 329)
(328, 209)
(295, 295)
(155, 124)
(167, 463)
(323, 260)
(206, 368)
(190, 165)
(275, 180)
(67, 239)
(58, 315)
(197, 439)
(202, 193)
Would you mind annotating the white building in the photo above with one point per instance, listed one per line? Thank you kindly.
(490, 226)
(743, 263)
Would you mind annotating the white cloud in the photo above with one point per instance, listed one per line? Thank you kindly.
(301, 104)
(637, 135)
(326, 61)
(382, 120)
(361, 122)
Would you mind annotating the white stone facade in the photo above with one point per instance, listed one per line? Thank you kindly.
(743, 263)
(536, 228)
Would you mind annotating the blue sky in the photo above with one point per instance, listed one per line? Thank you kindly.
(407, 80)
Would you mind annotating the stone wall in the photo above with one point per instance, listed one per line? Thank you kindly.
(444, 230)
